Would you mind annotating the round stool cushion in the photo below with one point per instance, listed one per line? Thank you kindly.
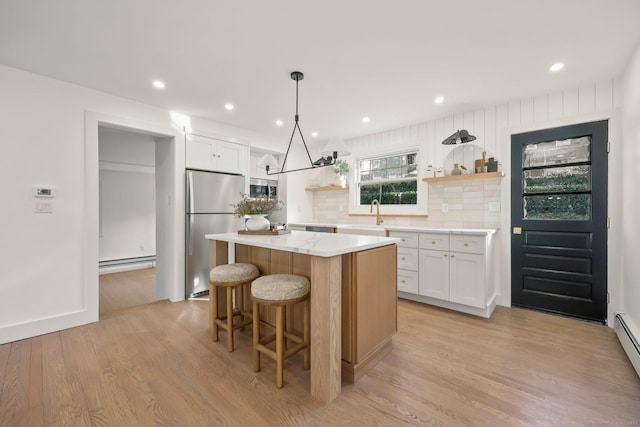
(280, 287)
(234, 272)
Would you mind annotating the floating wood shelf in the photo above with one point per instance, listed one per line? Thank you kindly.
(326, 188)
(483, 175)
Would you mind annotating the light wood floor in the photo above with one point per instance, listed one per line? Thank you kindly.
(156, 365)
(122, 291)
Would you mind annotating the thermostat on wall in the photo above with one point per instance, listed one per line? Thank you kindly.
(44, 192)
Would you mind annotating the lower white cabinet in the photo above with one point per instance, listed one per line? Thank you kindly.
(451, 270)
(434, 274)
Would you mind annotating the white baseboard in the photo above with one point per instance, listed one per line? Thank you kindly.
(126, 267)
(628, 334)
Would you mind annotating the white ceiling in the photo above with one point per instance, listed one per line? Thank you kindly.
(382, 59)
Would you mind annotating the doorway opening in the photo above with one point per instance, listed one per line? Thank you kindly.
(129, 218)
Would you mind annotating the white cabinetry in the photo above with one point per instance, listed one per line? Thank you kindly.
(453, 271)
(407, 261)
(216, 155)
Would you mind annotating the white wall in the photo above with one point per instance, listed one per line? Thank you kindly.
(127, 194)
(49, 134)
(630, 178)
(493, 127)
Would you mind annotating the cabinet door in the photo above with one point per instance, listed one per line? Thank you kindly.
(230, 158)
(434, 274)
(408, 281)
(199, 153)
(467, 279)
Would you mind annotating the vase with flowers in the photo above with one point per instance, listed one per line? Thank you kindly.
(255, 211)
(341, 168)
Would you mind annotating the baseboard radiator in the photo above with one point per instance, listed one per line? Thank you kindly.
(628, 335)
(126, 264)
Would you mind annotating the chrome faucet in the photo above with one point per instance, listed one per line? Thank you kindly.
(377, 203)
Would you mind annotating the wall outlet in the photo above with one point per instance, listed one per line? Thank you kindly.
(445, 207)
(494, 206)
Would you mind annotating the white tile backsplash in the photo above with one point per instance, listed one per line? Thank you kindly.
(468, 206)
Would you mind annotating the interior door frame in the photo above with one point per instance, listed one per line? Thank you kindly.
(615, 233)
(172, 249)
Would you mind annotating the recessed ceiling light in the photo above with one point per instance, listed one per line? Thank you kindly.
(279, 122)
(228, 107)
(158, 84)
(314, 134)
(366, 119)
(439, 99)
(556, 67)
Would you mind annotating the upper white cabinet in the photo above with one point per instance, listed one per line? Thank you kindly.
(216, 155)
(256, 171)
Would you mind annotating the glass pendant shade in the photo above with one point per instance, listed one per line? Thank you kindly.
(267, 160)
(337, 146)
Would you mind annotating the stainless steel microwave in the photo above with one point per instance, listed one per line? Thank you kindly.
(263, 187)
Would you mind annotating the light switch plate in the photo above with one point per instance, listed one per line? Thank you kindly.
(494, 206)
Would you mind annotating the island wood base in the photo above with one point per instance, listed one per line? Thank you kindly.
(367, 307)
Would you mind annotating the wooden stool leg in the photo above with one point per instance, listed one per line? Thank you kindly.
(213, 299)
(307, 335)
(279, 346)
(256, 336)
(230, 318)
(240, 302)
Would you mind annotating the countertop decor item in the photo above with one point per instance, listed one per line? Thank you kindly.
(455, 170)
(492, 165)
(256, 209)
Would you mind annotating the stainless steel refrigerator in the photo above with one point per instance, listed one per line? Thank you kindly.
(209, 197)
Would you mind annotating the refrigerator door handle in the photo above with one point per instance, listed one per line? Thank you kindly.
(190, 208)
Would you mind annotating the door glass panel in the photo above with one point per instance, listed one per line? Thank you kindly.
(557, 206)
(560, 180)
(572, 150)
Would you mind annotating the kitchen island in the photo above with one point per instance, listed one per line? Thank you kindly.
(353, 295)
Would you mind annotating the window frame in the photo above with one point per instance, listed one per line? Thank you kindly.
(420, 208)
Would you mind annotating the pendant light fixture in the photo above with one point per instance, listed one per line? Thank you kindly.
(334, 148)
(461, 136)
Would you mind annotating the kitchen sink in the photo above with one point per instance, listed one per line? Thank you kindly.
(362, 229)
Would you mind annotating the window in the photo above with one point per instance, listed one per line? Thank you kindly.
(392, 180)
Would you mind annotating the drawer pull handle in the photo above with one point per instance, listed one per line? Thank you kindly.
(433, 242)
(404, 281)
(446, 255)
(404, 240)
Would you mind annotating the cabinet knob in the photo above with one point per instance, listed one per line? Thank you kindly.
(466, 244)
(404, 281)
(445, 255)
(403, 259)
(452, 256)
(404, 240)
(433, 242)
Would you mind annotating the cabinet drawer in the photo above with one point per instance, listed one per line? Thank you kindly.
(407, 240)
(408, 281)
(472, 244)
(407, 258)
(434, 241)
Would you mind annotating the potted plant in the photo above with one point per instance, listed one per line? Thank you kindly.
(341, 168)
(255, 210)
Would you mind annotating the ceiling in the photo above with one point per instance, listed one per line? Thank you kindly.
(385, 60)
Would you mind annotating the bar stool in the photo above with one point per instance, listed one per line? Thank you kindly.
(280, 290)
(233, 277)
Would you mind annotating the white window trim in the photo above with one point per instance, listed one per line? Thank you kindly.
(418, 209)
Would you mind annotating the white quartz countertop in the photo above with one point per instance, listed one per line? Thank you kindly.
(482, 231)
(306, 242)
